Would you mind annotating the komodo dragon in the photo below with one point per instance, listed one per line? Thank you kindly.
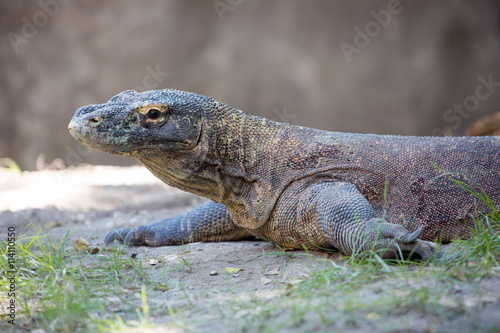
(292, 185)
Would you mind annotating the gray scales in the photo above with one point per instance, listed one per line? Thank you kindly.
(292, 185)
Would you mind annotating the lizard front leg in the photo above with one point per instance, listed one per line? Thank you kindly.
(209, 222)
(348, 222)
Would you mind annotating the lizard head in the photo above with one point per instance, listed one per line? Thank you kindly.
(140, 123)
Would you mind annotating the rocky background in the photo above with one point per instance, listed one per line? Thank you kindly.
(390, 67)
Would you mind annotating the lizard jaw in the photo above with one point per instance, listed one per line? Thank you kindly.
(87, 136)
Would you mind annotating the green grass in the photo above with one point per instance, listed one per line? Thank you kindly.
(64, 290)
(366, 292)
(10, 165)
(369, 294)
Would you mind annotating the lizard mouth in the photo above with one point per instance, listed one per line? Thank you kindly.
(120, 143)
(116, 144)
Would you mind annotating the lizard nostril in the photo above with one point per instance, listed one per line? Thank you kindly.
(94, 121)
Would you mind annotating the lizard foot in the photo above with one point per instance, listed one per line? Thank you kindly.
(394, 240)
(140, 235)
(116, 235)
(127, 236)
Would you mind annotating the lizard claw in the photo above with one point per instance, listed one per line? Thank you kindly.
(395, 240)
(426, 250)
(116, 235)
(411, 237)
(140, 235)
(400, 233)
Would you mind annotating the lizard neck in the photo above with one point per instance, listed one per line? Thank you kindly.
(245, 145)
(256, 159)
(243, 161)
(225, 162)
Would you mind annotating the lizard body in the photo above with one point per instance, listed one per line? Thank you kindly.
(289, 184)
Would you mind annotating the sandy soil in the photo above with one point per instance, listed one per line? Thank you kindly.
(90, 201)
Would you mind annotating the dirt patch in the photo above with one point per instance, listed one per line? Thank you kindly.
(90, 201)
(208, 282)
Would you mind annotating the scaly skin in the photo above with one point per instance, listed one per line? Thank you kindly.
(292, 185)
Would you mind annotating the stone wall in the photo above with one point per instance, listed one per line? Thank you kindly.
(393, 67)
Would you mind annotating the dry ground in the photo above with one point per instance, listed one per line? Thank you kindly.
(90, 201)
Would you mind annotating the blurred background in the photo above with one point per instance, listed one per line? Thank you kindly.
(388, 67)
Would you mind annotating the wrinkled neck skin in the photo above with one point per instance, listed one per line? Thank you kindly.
(192, 170)
(226, 165)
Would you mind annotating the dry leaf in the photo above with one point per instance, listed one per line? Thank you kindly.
(233, 270)
(95, 250)
(213, 272)
(273, 272)
(295, 282)
(169, 257)
(52, 224)
(292, 283)
(161, 286)
(81, 244)
(264, 281)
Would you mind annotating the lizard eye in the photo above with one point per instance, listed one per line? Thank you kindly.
(153, 114)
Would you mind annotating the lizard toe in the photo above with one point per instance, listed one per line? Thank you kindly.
(411, 237)
(141, 235)
(116, 235)
(426, 250)
(399, 232)
(392, 248)
(394, 241)
(405, 250)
